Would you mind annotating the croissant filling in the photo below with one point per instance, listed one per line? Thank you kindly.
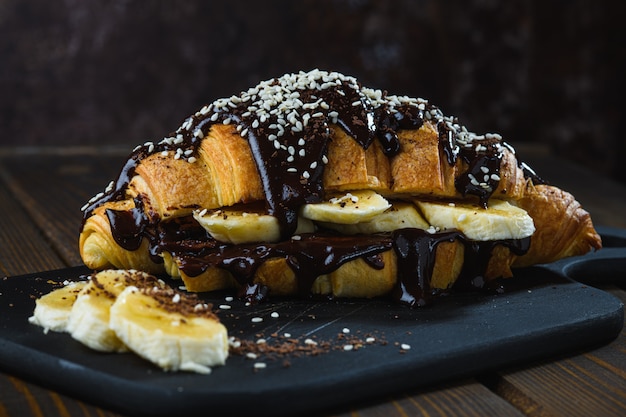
(312, 183)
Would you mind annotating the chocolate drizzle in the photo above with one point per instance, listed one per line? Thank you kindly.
(287, 123)
(415, 251)
(128, 225)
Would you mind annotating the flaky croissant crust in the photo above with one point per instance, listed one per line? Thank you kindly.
(232, 153)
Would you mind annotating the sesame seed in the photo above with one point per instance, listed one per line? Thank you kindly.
(256, 319)
(275, 315)
(405, 346)
(176, 298)
(260, 365)
(229, 299)
(225, 307)
(348, 347)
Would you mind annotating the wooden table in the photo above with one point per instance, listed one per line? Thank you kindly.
(41, 191)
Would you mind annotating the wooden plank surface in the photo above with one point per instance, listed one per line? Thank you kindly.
(51, 189)
(40, 197)
(23, 246)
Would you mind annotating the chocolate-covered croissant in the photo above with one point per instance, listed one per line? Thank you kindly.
(312, 183)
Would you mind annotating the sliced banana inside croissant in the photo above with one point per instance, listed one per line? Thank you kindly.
(500, 220)
(367, 212)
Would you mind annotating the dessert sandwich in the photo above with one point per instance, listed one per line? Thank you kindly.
(311, 183)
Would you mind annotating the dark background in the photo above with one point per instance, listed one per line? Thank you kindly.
(551, 73)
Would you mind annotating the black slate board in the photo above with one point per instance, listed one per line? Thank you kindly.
(543, 313)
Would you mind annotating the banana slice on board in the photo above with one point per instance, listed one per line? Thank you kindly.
(89, 317)
(500, 220)
(122, 310)
(52, 310)
(350, 208)
(171, 329)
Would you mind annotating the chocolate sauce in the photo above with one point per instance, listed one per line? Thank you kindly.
(415, 252)
(476, 259)
(128, 225)
(309, 257)
(287, 123)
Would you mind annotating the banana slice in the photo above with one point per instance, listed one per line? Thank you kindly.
(52, 310)
(236, 226)
(351, 208)
(500, 220)
(401, 215)
(172, 329)
(89, 317)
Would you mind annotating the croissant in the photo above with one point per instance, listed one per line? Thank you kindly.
(311, 183)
